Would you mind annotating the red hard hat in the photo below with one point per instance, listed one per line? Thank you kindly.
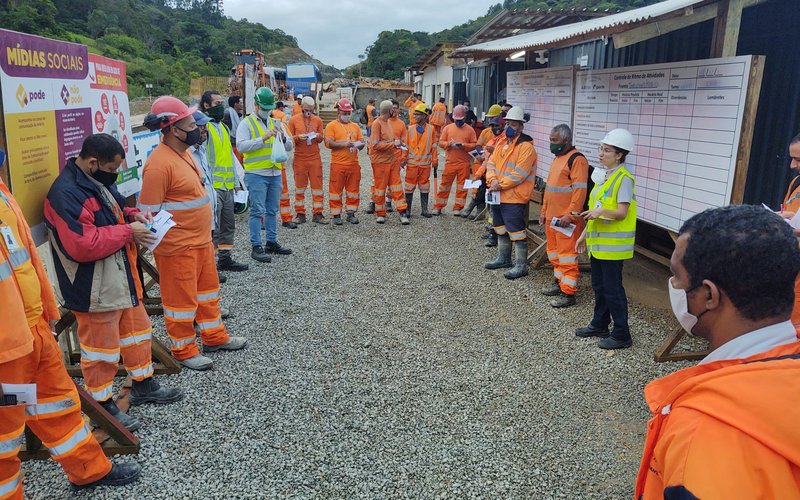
(168, 110)
(345, 105)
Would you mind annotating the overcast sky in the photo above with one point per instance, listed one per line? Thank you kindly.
(336, 31)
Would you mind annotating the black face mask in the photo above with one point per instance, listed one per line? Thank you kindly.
(216, 112)
(192, 136)
(105, 178)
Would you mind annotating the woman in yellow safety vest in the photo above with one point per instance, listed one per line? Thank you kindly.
(609, 237)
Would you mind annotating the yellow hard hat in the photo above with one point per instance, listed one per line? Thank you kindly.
(494, 110)
(422, 108)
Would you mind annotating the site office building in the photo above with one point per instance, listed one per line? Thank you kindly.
(436, 70)
(687, 30)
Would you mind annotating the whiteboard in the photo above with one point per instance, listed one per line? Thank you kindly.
(547, 94)
(686, 118)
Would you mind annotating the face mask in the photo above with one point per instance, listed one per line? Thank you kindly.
(216, 112)
(496, 130)
(307, 113)
(263, 114)
(459, 123)
(420, 129)
(104, 178)
(192, 136)
(344, 118)
(510, 132)
(598, 175)
(679, 300)
(556, 148)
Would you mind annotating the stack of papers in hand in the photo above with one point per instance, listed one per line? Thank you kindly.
(567, 231)
(162, 222)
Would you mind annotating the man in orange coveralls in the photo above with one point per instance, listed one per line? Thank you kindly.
(29, 354)
(727, 428)
(185, 257)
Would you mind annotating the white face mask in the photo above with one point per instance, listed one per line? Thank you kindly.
(344, 118)
(679, 300)
(263, 114)
(598, 175)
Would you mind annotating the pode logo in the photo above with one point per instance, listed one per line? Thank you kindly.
(24, 98)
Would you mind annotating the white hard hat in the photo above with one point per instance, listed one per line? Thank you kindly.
(299, 96)
(620, 138)
(307, 101)
(516, 113)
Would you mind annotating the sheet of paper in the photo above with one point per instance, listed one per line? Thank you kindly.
(311, 135)
(240, 196)
(162, 223)
(468, 184)
(25, 393)
(358, 144)
(567, 231)
(493, 197)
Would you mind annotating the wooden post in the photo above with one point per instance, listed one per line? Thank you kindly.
(748, 127)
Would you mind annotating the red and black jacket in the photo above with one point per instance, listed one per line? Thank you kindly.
(87, 238)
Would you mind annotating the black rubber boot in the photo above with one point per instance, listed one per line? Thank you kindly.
(423, 200)
(503, 258)
(409, 200)
(491, 240)
(520, 268)
(468, 210)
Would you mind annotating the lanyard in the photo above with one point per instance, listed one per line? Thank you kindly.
(611, 182)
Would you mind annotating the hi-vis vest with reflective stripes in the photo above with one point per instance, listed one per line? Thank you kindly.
(611, 239)
(220, 156)
(420, 156)
(261, 158)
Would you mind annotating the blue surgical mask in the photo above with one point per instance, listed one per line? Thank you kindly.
(510, 132)
(459, 123)
(420, 129)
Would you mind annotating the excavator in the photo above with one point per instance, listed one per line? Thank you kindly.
(262, 75)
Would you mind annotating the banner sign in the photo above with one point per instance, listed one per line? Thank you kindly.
(55, 94)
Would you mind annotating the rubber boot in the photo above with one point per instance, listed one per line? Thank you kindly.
(520, 268)
(423, 200)
(478, 210)
(468, 210)
(409, 200)
(503, 258)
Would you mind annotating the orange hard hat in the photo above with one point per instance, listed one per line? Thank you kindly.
(167, 110)
(345, 105)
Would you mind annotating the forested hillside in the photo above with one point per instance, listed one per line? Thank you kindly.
(165, 42)
(395, 50)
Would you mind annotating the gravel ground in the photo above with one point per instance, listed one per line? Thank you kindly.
(385, 362)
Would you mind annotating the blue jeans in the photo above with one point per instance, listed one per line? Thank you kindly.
(265, 197)
(610, 301)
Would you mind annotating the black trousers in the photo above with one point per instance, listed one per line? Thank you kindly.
(610, 301)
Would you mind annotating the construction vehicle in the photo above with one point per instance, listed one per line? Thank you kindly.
(250, 66)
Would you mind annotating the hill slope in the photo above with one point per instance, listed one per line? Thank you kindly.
(165, 42)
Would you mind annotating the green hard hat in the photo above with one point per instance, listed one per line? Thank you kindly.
(265, 98)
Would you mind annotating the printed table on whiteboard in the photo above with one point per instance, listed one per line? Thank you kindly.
(547, 95)
(686, 118)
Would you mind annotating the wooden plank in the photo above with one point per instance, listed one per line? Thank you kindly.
(651, 255)
(748, 127)
(732, 24)
(658, 28)
(664, 352)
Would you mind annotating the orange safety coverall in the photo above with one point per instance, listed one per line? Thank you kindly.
(307, 162)
(185, 257)
(399, 131)
(513, 165)
(725, 429)
(438, 118)
(345, 171)
(422, 154)
(370, 118)
(478, 169)
(791, 203)
(279, 115)
(385, 159)
(297, 109)
(565, 193)
(456, 164)
(31, 355)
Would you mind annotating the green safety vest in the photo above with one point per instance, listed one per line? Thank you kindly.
(220, 157)
(261, 158)
(611, 239)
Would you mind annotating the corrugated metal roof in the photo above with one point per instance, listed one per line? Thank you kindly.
(551, 36)
(519, 21)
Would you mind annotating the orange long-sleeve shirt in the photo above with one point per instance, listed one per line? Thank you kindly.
(297, 109)
(280, 115)
(464, 135)
(171, 181)
(300, 125)
(338, 131)
(566, 187)
(381, 142)
(438, 114)
(513, 165)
